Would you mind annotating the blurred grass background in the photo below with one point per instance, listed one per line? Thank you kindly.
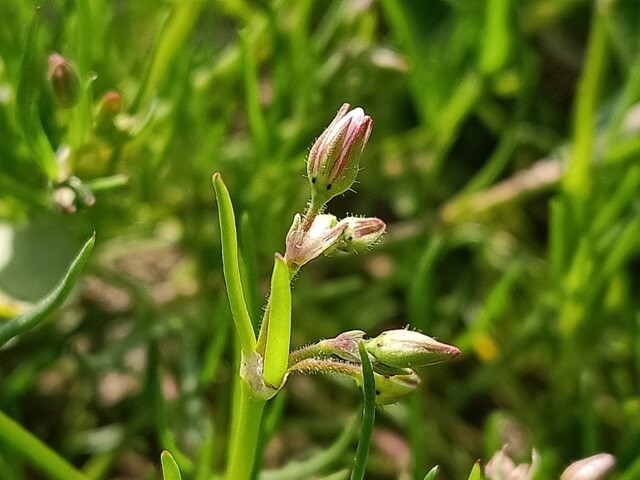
(504, 159)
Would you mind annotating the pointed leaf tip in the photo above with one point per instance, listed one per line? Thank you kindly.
(170, 469)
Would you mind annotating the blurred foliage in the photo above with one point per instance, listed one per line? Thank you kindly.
(504, 158)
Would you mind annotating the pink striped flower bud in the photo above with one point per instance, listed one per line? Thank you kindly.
(334, 159)
(360, 234)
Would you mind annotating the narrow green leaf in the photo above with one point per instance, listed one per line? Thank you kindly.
(249, 267)
(178, 26)
(52, 301)
(25, 444)
(231, 266)
(276, 357)
(170, 470)
(255, 116)
(159, 407)
(497, 36)
(433, 473)
(301, 470)
(368, 416)
(622, 249)
(27, 116)
(577, 178)
(476, 472)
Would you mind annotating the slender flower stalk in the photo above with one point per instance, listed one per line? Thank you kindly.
(383, 362)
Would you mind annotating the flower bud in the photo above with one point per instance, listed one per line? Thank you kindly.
(590, 468)
(333, 161)
(360, 234)
(344, 345)
(393, 388)
(109, 107)
(406, 349)
(63, 80)
(303, 245)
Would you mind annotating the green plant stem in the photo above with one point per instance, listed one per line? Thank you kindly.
(245, 435)
(14, 435)
(368, 416)
(577, 179)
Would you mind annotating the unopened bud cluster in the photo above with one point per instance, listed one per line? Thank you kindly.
(393, 355)
(332, 168)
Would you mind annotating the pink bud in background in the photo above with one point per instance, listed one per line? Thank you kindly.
(63, 80)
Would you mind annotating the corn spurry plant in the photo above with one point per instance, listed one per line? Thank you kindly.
(266, 361)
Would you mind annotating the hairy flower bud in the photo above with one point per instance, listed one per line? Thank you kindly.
(303, 245)
(407, 349)
(63, 80)
(333, 161)
(360, 234)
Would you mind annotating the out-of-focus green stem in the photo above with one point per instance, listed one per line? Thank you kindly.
(577, 179)
(179, 25)
(368, 415)
(39, 454)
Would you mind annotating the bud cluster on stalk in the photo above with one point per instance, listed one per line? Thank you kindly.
(393, 355)
(332, 168)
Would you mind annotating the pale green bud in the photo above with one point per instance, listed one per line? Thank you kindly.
(407, 349)
(333, 162)
(392, 388)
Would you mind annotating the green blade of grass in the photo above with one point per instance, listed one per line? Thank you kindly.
(40, 455)
(255, 115)
(27, 116)
(249, 265)
(45, 307)
(577, 179)
(276, 357)
(170, 470)
(368, 415)
(300, 470)
(231, 266)
(497, 36)
(158, 404)
(433, 473)
(476, 472)
(175, 31)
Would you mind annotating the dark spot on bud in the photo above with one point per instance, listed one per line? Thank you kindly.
(313, 180)
(349, 239)
(377, 392)
(329, 187)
